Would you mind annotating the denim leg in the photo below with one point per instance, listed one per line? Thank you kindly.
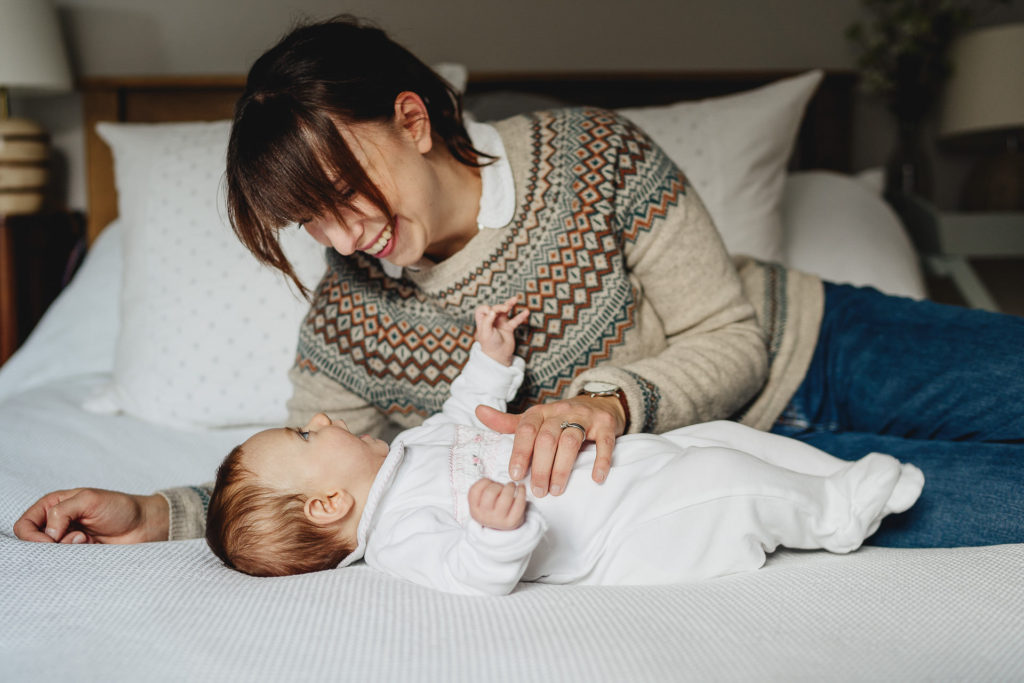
(939, 386)
(973, 491)
(889, 365)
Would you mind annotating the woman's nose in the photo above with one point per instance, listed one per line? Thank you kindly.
(341, 238)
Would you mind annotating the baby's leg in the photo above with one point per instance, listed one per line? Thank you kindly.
(754, 501)
(772, 448)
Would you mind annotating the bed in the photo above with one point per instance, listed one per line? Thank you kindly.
(108, 392)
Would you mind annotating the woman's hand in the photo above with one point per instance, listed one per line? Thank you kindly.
(94, 516)
(542, 444)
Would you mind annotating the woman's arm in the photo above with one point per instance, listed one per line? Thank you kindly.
(715, 357)
(710, 356)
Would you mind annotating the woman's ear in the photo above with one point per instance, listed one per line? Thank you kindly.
(412, 115)
(329, 507)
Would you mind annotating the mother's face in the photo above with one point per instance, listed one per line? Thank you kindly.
(395, 158)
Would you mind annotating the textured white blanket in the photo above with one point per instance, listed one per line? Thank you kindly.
(170, 611)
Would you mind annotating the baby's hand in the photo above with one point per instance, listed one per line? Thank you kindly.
(497, 506)
(494, 329)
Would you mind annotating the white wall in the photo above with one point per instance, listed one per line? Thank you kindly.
(120, 37)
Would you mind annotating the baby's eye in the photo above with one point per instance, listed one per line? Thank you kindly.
(304, 435)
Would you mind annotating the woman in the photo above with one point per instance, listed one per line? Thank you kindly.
(639, 321)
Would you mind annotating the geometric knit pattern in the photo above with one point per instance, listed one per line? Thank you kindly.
(594, 187)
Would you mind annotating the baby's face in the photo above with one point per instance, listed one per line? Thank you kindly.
(322, 454)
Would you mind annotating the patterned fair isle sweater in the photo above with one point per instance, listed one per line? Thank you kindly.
(626, 280)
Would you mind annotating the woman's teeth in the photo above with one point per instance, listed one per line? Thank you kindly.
(381, 242)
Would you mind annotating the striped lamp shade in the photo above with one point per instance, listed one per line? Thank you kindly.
(32, 60)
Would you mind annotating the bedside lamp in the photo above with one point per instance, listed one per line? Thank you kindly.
(32, 60)
(983, 110)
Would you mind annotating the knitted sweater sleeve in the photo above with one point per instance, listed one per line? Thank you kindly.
(317, 393)
(187, 507)
(713, 356)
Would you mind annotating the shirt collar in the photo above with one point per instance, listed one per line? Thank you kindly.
(498, 195)
(381, 483)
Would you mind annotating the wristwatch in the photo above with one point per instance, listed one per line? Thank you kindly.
(595, 388)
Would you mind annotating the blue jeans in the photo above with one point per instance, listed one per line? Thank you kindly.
(938, 386)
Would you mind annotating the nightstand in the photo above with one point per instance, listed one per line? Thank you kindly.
(38, 256)
(947, 239)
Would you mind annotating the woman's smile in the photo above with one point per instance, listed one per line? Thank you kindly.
(385, 242)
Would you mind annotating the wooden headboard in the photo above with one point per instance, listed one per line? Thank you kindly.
(824, 140)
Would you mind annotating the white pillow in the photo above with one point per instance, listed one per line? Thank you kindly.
(207, 334)
(840, 228)
(734, 150)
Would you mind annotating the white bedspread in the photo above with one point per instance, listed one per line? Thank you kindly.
(170, 611)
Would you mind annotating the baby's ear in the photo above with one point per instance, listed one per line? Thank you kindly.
(329, 507)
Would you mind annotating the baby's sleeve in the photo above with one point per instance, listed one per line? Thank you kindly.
(429, 547)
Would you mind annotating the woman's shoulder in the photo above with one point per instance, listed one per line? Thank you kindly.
(571, 116)
(579, 131)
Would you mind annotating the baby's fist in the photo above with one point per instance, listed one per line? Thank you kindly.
(497, 506)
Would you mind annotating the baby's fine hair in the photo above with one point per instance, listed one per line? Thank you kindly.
(264, 532)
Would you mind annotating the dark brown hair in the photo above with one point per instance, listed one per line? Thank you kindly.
(264, 532)
(285, 153)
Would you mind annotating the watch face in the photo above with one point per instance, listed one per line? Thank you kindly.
(605, 388)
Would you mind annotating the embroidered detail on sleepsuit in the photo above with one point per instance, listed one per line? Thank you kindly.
(475, 453)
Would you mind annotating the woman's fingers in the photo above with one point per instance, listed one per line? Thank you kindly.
(605, 443)
(34, 524)
(569, 443)
(550, 451)
(59, 517)
(545, 447)
(503, 423)
(74, 538)
(526, 431)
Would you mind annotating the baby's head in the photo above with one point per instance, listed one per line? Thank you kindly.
(288, 501)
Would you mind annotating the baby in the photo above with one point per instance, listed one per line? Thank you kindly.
(437, 506)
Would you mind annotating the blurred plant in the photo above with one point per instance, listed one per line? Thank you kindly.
(904, 49)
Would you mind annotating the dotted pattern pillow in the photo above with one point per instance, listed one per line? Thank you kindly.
(207, 335)
(734, 150)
